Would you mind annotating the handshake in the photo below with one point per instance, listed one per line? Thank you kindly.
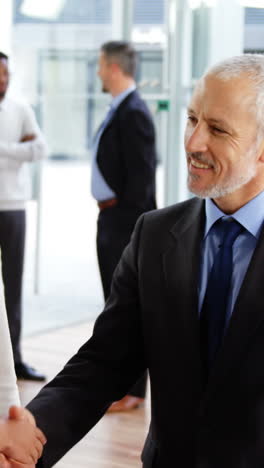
(21, 442)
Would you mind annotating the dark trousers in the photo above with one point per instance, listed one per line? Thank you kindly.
(12, 243)
(113, 234)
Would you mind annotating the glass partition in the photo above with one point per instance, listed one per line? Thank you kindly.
(55, 50)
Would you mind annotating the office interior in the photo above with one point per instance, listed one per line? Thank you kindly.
(53, 47)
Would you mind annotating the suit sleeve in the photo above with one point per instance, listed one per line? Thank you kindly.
(30, 151)
(139, 156)
(102, 371)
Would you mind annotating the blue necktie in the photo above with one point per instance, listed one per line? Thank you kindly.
(213, 314)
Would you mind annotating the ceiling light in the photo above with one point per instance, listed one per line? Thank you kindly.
(48, 9)
(252, 3)
(194, 4)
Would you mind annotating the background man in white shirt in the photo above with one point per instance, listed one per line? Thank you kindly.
(21, 143)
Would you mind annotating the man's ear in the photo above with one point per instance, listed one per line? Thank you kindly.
(115, 67)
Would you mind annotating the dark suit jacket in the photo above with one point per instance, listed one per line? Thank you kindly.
(151, 321)
(126, 156)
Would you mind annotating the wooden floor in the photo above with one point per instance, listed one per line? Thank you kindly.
(117, 440)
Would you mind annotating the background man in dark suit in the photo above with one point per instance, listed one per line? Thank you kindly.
(205, 363)
(123, 171)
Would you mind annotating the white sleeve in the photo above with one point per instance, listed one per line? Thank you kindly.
(8, 388)
(7, 163)
(28, 151)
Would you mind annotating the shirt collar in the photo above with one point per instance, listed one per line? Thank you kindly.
(116, 101)
(250, 216)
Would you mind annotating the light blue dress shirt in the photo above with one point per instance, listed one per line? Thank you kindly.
(251, 217)
(99, 187)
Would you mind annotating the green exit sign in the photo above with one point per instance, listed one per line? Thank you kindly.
(163, 105)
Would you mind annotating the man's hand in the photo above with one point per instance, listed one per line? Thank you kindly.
(18, 413)
(21, 443)
(26, 138)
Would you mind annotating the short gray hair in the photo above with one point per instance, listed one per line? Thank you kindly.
(251, 65)
(122, 53)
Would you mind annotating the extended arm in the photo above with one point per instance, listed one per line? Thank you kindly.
(101, 372)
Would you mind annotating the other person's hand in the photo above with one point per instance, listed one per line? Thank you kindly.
(21, 442)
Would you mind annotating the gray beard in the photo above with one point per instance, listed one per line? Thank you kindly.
(219, 191)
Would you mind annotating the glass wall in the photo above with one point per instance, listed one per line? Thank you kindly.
(56, 59)
(55, 48)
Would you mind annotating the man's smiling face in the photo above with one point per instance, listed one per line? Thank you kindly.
(220, 139)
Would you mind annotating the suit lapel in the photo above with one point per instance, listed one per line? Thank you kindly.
(99, 129)
(181, 269)
(120, 107)
(109, 122)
